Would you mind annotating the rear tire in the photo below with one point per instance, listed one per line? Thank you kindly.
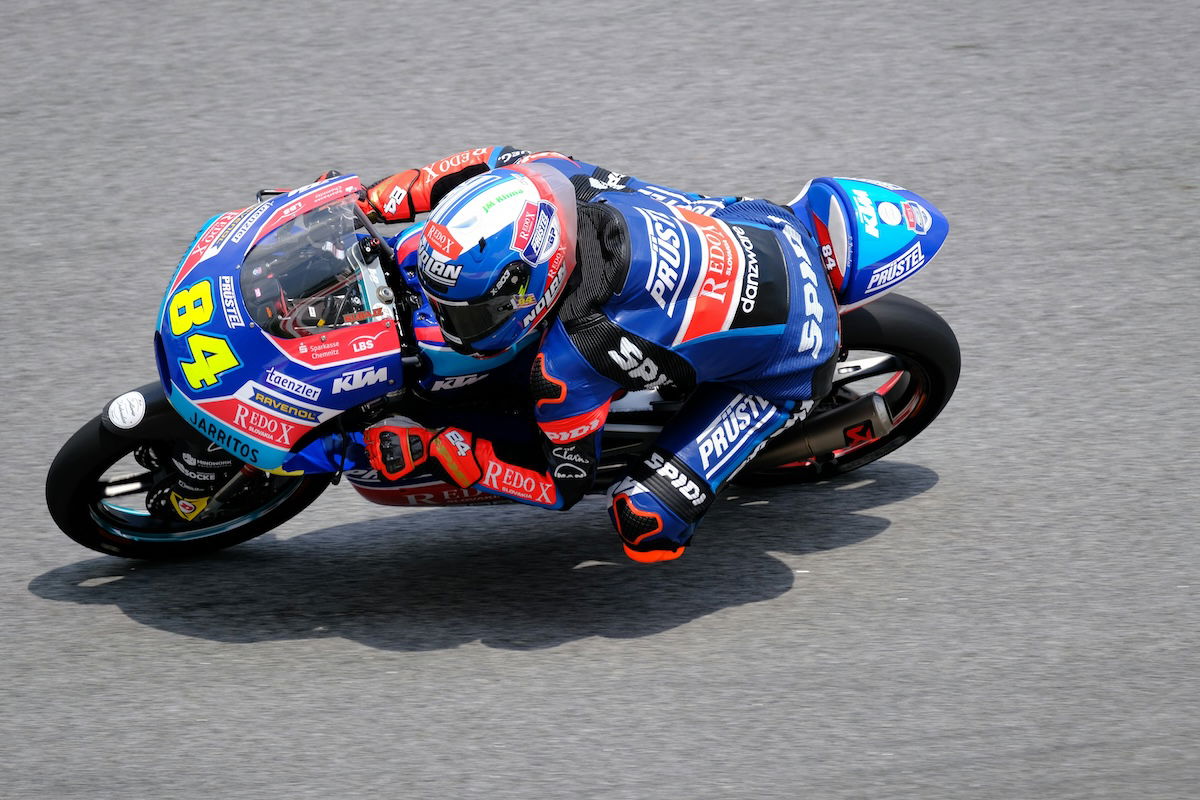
(93, 508)
(917, 376)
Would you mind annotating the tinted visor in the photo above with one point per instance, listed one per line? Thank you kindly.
(464, 322)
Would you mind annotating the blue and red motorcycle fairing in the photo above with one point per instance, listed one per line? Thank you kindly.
(291, 325)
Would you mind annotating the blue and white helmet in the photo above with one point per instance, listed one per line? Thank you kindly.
(496, 254)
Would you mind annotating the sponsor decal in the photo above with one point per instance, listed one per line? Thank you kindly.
(263, 426)
(188, 509)
(712, 304)
(440, 239)
(889, 214)
(357, 379)
(255, 214)
(749, 294)
(678, 480)
(811, 338)
(917, 218)
(362, 344)
(569, 472)
(547, 300)
(518, 482)
(293, 385)
(440, 272)
(233, 315)
(668, 258)
(287, 409)
(320, 350)
(127, 410)
(456, 382)
(864, 209)
(536, 233)
(861, 433)
(361, 316)
(893, 272)
(629, 357)
(564, 431)
(227, 442)
(452, 163)
(568, 454)
(607, 180)
(736, 424)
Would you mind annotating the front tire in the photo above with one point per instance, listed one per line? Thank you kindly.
(95, 498)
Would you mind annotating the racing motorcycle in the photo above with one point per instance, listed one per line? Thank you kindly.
(293, 324)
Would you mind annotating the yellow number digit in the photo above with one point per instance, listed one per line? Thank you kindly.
(191, 307)
(211, 355)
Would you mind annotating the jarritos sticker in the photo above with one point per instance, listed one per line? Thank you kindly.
(712, 304)
(342, 345)
(536, 233)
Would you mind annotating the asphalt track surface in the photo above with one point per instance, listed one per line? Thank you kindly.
(1006, 608)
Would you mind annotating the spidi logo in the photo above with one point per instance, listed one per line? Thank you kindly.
(359, 379)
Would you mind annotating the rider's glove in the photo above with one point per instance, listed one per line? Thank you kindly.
(396, 450)
(391, 199)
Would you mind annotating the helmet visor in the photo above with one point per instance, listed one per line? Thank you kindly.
(463, 322)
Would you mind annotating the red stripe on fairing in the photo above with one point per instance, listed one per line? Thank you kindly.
(197, 253)
(338, 345)
(713, 301)
(307, 202)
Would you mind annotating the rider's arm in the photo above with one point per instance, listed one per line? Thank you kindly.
(571, 404)
(400, 197)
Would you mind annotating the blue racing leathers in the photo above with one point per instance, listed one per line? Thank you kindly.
(719, 299)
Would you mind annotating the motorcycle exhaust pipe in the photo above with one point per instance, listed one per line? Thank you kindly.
(861, 420)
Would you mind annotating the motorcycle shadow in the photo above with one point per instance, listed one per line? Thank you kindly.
(509, 577)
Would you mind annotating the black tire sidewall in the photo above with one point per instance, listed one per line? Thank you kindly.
(70, 487)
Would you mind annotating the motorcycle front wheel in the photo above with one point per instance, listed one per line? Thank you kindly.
(96, 493)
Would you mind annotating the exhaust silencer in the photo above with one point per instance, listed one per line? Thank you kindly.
(862, 420)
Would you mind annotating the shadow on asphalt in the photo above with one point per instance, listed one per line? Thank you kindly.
(508, 576)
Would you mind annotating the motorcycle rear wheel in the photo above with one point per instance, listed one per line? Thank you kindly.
(899, 349)
(96, 494)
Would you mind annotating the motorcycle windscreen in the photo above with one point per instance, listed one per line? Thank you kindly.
(872, 235)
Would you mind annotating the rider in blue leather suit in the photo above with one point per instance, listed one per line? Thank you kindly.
(621, 285)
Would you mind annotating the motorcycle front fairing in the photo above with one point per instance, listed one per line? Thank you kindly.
(277, 320)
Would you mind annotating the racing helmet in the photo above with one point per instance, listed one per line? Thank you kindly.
(496, 255)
